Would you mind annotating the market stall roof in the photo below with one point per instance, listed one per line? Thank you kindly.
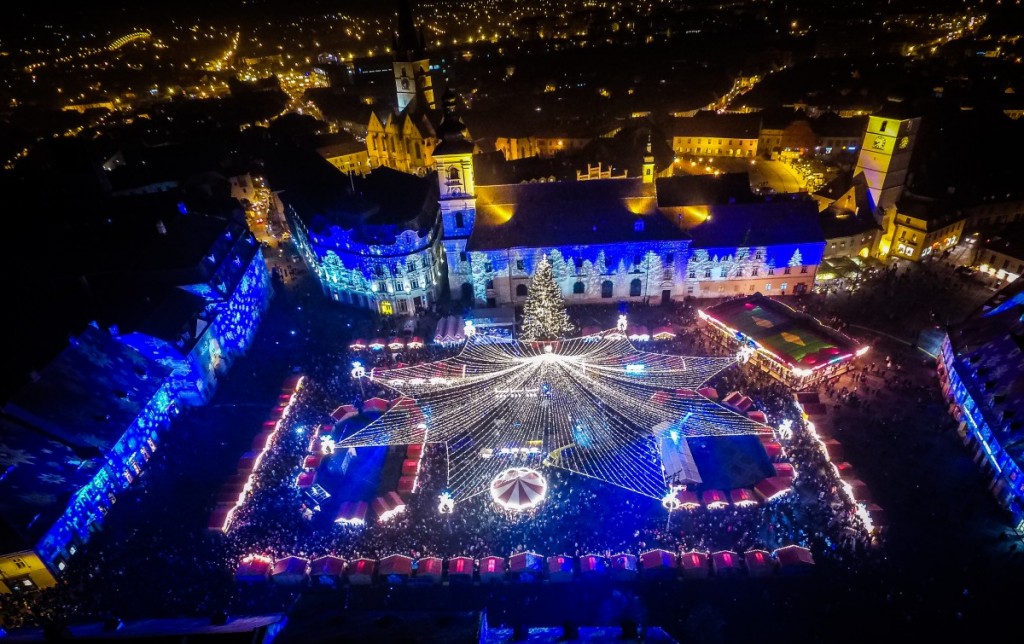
(352, 513)
(327, 566)
(695, 564)
(559, 568)
(253, 568)
(360, 571)
(591, 564)
(289, 571)
(688, 499)
(725, 562)
(715, 499)
(492, 568)
(525, 561)
(742, 497)
(773, 487)
(759, 563)
(400, 565)
(794, 558)
(460, 566)
(797, 339)
(658, 559)
(663, 333)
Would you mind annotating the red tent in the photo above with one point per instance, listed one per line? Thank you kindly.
(758, 416)
(725, 562)
(663, 333)
(759, 563)
(406, 484)
(708, 392)
(352, 513)
(357, 344)
(415, 342)
(377, 344)
(360, 572)
(732, 399)
(387, 506)
(714, 499)
(624, 566)
(312, 462)
(395, 566)
(327, 571)
(492, 569)
(658, 560)
(414, 451)
(688, 499)
(460, 569)
(592, 565)
(305, 480)
(430, 569)
(784, 469)
(410, 467)
(559, 569)
(794, 560)
(695, 564)
(342, 411)
(773, 449)
(525, 562)
(396, 344)
(375, 404)
(773, 487)
(253, 569)
(742, 497)
(290, 571)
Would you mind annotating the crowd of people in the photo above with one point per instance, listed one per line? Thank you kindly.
(137, 567)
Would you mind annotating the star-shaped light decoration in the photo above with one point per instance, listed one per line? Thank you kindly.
(596, 407)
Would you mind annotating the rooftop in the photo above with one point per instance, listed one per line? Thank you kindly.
(724, 126)
(783, 221)
(567, 213)
(797, 339)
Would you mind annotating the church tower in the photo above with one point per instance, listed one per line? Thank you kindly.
(648, 162)
(412, 67)
(453, 159)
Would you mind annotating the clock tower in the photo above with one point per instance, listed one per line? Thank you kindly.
(453, 160)
(885, 158)
(412, 67)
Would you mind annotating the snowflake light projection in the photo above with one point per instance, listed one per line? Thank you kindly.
(598, 408)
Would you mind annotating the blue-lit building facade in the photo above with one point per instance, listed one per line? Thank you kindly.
(374, 241)
(198, 330)
(82, 431)
(981, 370)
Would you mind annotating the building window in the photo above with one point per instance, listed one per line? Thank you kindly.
(693, 275)
(634, 288)
(489, 284)
(459, 220)
(707, 272)
(739, 272)
(521, 290)
(462, 256)
(411, 265)
(489, 266)
(453, 173)
(520, 265)
(758, 255)
(787, 270)
(782, 287)
(670, 257)
(403, 306)
(767, 287)
(723, 272)
(606, 289)
(578, 288)
(803, 269)
(638, 226)
(754, 272)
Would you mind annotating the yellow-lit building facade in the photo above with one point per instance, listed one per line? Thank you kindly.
(915, 237)
(22, 572)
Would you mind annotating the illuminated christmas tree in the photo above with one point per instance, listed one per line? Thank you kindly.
(544, 314)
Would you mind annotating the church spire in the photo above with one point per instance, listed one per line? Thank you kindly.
(408, 43)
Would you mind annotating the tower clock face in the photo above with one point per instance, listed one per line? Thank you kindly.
(878, 143)
(904, 142)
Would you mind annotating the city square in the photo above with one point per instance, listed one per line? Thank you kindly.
(471, 322)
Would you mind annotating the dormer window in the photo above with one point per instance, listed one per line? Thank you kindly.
(638, 226)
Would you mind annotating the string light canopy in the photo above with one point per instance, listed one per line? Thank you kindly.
(604, 409)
